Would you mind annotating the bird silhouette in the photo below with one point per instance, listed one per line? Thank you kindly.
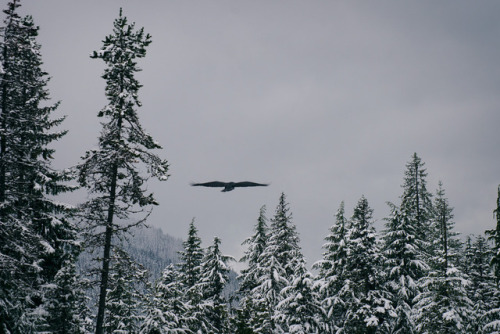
(228, 186)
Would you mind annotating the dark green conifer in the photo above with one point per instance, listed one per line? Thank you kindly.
(35, 236)
(332, 271)
(443, 305)
(493, 315)
(214, 277)
(113, 173)
(190, 276)
(367, 304)
(406, 244)
(248, 279)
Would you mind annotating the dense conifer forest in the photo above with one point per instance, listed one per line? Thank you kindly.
(79, 269)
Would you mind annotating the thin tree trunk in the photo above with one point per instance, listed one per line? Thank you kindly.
(107, 254)
(107, 245)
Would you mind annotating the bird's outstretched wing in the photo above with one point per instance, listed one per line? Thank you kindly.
(210, 184)
(250, 184)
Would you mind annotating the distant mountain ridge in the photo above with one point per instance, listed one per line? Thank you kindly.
(153, 249)
(147, 246)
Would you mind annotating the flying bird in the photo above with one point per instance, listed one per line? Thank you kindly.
(228, 186)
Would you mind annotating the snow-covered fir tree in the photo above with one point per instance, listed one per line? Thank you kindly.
(402, 251)
(494, 236)
(113, 172)
(190, 275)
(166, 312)
(34, 232)
(249, 276)
(125, 298)
(405, 244)
(448, 245)
(67, 303)
(368, 308)
(256, 245)
(331, 272)
(278, 262)
(416, 201)
(443, 305)
(267, 294)
(190, 259)
(214, 277)
(493, 315)
(475, 265)
(300, 311)
(283, 239)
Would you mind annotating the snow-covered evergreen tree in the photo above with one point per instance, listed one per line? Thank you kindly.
(416, 201)
(481, 289)
(299, 311)
(402, 252)
(276, 265)
(190, 276)
(256, 245)
(331, 272)
(278, 262)
(125, 298)
(493, 315)
(67, 304)
(34, 234)
(367, 304)
(448, 244)
(406, 248)
(214, 277)
(284, 239)
(190, 262)
(443, 305)
(113, 172)
(249, 276)
(267, 294)
(494, 236)
(166, 311)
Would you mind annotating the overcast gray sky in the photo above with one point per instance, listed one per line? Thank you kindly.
(326, 100)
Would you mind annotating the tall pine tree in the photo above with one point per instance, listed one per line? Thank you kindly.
(190, 258)
(125, 298)
(402, 251)
(166, 311)
(256, 245)
(443, 305)
(249, 276)
(416, 201)
(299, 311)
(279, 261)
(35, 235)
(190, 276)
(332, 271)
(405, 244)
(367, 304)
(481, 290)
(214, 277)
(113, 173)
(494, 236)
(493, 315)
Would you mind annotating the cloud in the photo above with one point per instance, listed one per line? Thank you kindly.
(325, 100)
